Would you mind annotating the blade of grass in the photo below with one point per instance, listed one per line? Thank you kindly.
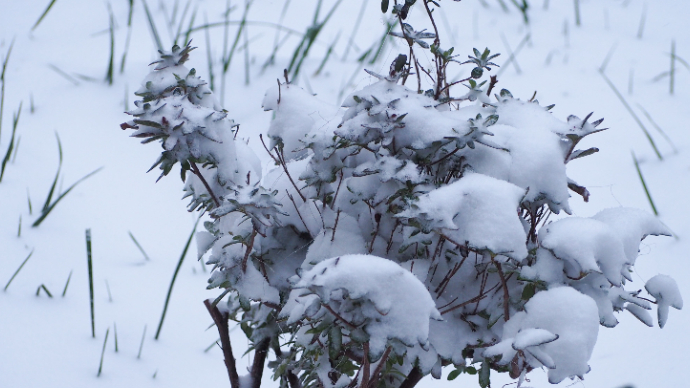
(312, 34)
(111, 61)
(2, 80)
(152, 26)
(228, 59)
(31, 100)
(129, 36)
(384, 39)
(16, 149)
(577, 13)
(355, 28)
(513, 55)
(47, 211)
(90, 267)
(141, 249)
(672, 72)
(187, 37)
(19, 229)
(105, 342)
(658, 128)
(632, 113)
(115, 336)
(141, 345)
(49, 198)
(211, 346)
(277, 43)
(10, 147)
(172, 282)
(182, 17)
(43, 287)
(328, 55)
(18, 269)
(246, 53)
(63, 74)
(604, 64)
(28, 199)
(209, 56)
(643, 19)
(43, 15)
(64, 290)
(644, 185)
(107, 288)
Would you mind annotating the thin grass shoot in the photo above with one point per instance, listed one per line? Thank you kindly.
(172, 282)
(18, 269)
(45, 289)
(141, 249)
(10, 147)
(43, 15)
(644, 185)
(89, 261)
(105, 342)
(64, 290)
(141, 345)
(632, 113)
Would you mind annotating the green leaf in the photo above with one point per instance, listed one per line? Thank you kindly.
(484, 375)
(384, 6)
(529, 291)
(335, 342)
(454, 374)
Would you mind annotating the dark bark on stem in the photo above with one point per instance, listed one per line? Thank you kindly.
(379, 367)
(196, 172)
(412, 379)
(221, 321)
(365, 366)
(260, 353)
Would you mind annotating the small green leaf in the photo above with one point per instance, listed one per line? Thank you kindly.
(484, 375)
(529, 291)
(454, 374)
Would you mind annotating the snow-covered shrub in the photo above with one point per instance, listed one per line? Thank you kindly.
(410, 234)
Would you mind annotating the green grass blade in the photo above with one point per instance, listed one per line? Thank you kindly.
(19, 229)
(355, 28)
(111, 62)
(141, 345)
(45, 289)
(227, 60)
(172, 282)
(8, 155)
(2, 80)
(129, 36)
(105, 342)
(64, 74)
(28, 199)
(16, 149)
(18, 269)
(644, 185)
(187, 37)
(212, 345)
(179, 27)
(328, 55)
(64, 290)
(152, 25)
(49, 198)
(658, 128)
(141, 249)
(107, 288)
(47, 211)
(115, 336)
(672, 72)
(90, 268)
(43, 15)
(632, 113)
(209, 57)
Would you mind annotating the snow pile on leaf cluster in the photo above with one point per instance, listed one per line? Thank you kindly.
(404, 234)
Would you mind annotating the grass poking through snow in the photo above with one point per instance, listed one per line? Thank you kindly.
(644, 185)
(172, 282)
(105, 342)
(89, 261)
(141, 249)
(18, 269)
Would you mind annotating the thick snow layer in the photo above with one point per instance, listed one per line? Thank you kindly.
(478, 210)
(560, 324)
(402, 305)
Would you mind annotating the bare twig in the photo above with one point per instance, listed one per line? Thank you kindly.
(196, 172)
(249, 251)
(221, 321)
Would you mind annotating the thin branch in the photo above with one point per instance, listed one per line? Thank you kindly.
(379, 367)
(196, 172)
(281, 158)
(249, 250)
(221, 321)
(365, 366)
(413, 378)
(261, 136)
(506, 296)
(327, 307)
(260, 353)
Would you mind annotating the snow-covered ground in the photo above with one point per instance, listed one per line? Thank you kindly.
(46, 342)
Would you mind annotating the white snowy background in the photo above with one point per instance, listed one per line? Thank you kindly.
(46, 342)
